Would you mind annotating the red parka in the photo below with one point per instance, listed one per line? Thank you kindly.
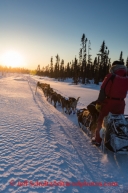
(113, 92)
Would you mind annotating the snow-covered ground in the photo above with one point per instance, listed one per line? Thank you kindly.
(44, 150)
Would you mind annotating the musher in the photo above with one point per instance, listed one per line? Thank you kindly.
(111, 96)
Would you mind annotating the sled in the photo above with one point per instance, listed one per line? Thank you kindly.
(115, 137)
(116, 133)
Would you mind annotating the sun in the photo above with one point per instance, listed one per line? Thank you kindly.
(12, 59)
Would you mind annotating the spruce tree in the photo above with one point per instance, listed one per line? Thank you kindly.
(89, 55)
(57, 66)
(75, 71)
(84, 54)
(96, 71)
(67, 71)
(62, 70)
(88, 69)
(121, 57)
(51, 67)
(104, 52)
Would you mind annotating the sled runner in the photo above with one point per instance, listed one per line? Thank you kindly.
(114, 135)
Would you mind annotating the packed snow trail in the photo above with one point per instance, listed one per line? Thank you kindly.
(38, 144)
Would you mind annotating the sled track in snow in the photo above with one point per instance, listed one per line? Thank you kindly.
(75, 139)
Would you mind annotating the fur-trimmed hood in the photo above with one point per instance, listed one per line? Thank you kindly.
(120, 70)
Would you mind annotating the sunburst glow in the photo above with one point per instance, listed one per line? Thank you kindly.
(12, 58)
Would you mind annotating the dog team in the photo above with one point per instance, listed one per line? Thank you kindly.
(68, 105)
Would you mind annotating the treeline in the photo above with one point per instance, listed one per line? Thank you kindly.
(82, 69)
(5, 69)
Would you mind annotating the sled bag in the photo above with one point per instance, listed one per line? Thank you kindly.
(116, 137)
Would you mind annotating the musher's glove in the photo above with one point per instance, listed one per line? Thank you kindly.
(98, 107)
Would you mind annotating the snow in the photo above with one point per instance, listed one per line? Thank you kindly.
(43, 150)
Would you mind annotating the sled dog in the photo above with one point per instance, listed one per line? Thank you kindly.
(73, 103)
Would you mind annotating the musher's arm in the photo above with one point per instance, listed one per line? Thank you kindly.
(105, 87)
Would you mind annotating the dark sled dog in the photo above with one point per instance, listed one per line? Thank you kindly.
(87, 118)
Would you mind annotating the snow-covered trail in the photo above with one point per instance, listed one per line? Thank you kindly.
(40, 144)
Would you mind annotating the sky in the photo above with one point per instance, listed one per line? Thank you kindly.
(33, 31)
